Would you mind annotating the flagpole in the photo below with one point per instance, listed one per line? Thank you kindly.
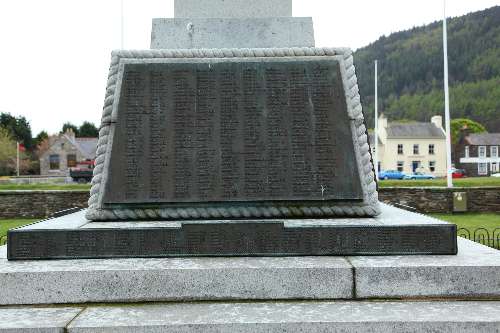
(17, 164)
(375, 134)
(447, 100)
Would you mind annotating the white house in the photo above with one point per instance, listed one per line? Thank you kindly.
(410, 147)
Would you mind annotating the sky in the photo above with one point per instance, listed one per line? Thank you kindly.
(55, 54)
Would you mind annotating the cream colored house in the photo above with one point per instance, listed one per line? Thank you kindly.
(411, 147)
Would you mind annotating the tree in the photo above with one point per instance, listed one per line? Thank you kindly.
(88, 130)
(458, 124)
(42, 136)
(7, 152)
(19, 129)
(69, 125)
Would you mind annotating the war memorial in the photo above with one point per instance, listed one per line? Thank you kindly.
(234, 191)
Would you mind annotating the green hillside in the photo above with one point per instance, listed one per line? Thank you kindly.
(411, 71)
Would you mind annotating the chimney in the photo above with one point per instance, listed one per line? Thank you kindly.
(438, 121)
(70, 134)
(382, 121)
(463, 134)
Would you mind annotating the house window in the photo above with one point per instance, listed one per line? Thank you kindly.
(400, 149)
(54, 162)
(482, 151)
(482, 169)
(71, 160)
(494, 167)
(432, 166)
(467, 151)
(431, 149)
(494, 151)
(415, 149)
(400, 166)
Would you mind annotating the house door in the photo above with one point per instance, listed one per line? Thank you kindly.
(415, 165)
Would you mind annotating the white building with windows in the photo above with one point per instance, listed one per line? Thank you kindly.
(411, 147)
(478, 154)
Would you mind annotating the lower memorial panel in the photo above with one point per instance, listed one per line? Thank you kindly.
(232, 238)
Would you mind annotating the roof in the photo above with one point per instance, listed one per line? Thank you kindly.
(484, 139)
(414, 130)
(88, 146)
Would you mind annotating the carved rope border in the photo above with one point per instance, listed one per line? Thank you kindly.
(368, 207)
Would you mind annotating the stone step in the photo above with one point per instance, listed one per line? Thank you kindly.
(473, 273)
(314, 316)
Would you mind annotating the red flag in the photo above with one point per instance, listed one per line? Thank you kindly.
(22, 147)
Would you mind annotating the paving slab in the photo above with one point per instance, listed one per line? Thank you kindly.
(474, 272)
(136, 280)
(294, 317)
(39, 320)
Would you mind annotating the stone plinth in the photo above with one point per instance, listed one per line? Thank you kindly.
(394, 231)
(262, 32)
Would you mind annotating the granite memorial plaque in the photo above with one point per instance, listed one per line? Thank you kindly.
(233, 137)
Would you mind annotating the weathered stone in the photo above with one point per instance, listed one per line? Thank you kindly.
(474, 272)
(230, 32)
(232, 8)
(36, 320)
(373, 317)
(136, 280)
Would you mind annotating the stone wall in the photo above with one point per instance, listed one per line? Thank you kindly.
(440, 200)
(38, 204)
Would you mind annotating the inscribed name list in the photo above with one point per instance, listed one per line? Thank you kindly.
(222, 130)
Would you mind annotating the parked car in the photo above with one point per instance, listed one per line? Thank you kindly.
(458, 173)
(419, 175)
(390, 174)
(83, 171)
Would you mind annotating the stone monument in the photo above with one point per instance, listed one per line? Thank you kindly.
(215, 143)
(235, 148)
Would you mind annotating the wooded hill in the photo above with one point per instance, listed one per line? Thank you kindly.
(411, 71)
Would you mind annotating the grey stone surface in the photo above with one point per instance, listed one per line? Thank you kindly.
(181, 33)
(294, 317)
(389, 216)
(39, 320)
(474, 272)
(232, 8)
(134, 280)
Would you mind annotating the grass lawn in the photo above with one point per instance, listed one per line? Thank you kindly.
(459, 182)
(472, 221)
(46, 187)
(6, 224)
